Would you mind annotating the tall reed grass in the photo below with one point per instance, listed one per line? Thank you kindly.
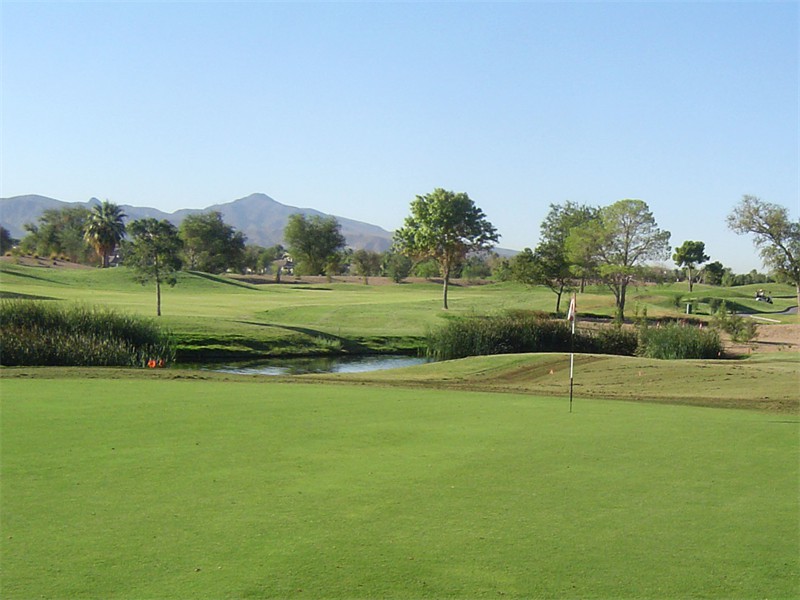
(677, 341)
(519, 332)
(40, 333)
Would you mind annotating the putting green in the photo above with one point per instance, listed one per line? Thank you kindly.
(210, 489)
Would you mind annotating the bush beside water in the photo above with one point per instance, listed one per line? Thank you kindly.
(675, 341)
(609, 340)
(518, 333)
(509, 334)
(38, 333)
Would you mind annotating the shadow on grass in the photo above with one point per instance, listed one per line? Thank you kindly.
(222, 280)
(18, 296)
(346, 344)
(29, 276)
(315, 343)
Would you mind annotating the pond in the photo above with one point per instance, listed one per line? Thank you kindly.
(318, 364)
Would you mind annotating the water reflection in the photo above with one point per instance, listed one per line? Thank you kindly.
(326, 364)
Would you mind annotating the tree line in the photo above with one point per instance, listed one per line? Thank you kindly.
(617, 244)
(446, 235)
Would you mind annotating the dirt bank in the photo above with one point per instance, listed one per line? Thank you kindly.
(770, 338)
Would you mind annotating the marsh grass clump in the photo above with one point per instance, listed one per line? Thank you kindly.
(530, 332)
(506, 334)
(608, 340)
(38, 333)
(677, 341)
(522, 331)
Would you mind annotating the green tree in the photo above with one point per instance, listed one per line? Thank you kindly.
(260, 259)
(776, 236)
(559, 267)
(688, 256)
(70, 226)
(105, 228)
(550, 264)
(444, 226)
(59, 233)
(154, 251)
(366, 263)
(428, 269)
(250, 256)
(270, 260)
(622, 238)
(553, 269)
(477, 266)
(397, 266)
(6, 241)
(338, 263)
(563, 218)
(211, 245)
(501, 270)
(544, 266)
(314, 243)
(522, 267)
(713, 273)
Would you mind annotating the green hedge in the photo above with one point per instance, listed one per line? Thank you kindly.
(39, 333)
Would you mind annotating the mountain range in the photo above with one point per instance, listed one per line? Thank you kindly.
(258, 216)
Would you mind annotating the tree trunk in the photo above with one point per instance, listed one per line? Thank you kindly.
(797, 287)
(620, 295)
(689, 272)
(158, 298)
(446, 284)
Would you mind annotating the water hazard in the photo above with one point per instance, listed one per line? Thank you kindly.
(326, 364)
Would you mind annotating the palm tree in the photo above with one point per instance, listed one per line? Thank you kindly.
(105, 229)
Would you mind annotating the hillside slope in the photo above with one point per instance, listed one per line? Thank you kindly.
(258, 216)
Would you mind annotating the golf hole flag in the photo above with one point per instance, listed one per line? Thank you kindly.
(572, 317)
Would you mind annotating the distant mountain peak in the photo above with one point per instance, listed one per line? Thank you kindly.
(261, 218)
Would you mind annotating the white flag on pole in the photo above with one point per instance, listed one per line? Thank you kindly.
(571, 313)
(572, 317)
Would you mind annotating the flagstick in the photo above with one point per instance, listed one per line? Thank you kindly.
(572, 315)
(571, 361)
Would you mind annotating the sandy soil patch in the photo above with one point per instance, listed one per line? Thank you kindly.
(773, 338)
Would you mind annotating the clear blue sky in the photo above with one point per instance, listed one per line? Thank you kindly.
(355, 108)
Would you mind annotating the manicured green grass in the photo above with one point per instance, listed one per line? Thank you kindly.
(218, 313)
(128, 488)
(210, 313)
